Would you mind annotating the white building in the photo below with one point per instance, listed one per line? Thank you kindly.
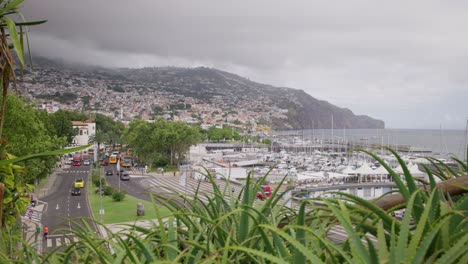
(85, 130)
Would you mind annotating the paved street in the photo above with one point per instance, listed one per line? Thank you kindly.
(63, 209)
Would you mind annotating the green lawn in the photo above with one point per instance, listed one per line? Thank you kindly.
(124, 211)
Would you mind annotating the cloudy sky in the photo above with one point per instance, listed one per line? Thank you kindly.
(404, 62)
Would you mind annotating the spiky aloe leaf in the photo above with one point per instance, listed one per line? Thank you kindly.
(418, 234)
(463, 167)
(401, 186)
(423, 253)
(244, 217)
(383, 247)
(459, 221)
(380, 214)
(143, 248)
(439, 166)
(358, 249)
(295, 245)
(258, 253)
(410, 182)
(299, 258)
(405, 235)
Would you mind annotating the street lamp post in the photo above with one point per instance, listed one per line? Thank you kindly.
(118, 171)
(101, 210)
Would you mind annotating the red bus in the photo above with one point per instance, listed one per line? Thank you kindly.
(77, 160)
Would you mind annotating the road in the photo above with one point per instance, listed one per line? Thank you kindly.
(63, 210)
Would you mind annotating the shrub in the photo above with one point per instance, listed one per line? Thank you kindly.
(118, 196)
(108, 190)
(98, 181)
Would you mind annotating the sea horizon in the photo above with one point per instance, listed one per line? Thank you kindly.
(441, 142)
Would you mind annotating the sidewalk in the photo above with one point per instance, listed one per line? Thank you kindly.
(52, 183)
(30, 226)
(32, 229)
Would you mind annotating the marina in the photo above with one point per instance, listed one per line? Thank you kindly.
(312, 166)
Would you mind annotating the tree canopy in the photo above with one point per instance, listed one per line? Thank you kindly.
(161, 139)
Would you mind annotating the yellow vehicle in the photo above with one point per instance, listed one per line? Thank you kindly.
(79, 183)
(126, 161)
(113, 159)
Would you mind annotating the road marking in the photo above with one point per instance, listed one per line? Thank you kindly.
(49, 242)
(58, 242)
(78, 206)
(56, 208)
(67, 241)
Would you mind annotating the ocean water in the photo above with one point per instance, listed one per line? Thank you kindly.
(443, 143)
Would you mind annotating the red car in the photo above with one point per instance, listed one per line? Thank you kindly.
(76, 163)
(265, 193)
(104, 163)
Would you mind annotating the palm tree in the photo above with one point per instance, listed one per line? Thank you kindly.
(98, 138)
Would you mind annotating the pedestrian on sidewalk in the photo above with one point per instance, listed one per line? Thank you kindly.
(46, 232)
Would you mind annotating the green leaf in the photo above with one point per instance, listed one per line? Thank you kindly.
(421, 226)
(11, 5)
(244, 217)
(43, 154)
(383, 250)
(357, 247)
(299, 258)
(15, 40)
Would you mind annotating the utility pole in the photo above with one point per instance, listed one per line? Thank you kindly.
(101, 210)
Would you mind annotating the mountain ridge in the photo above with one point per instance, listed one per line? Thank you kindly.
(279, 107)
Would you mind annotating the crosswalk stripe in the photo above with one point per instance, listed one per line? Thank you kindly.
(172, 185)
(59, 240)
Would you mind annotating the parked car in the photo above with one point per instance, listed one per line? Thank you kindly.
(68, 162)
(104, 163)
(124, 176)
(265, 193)
(75, 191)
(87, 162)
(109, 173)
(79, 183)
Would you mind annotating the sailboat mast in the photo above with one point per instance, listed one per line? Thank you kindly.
(466, 145)
(332, 145)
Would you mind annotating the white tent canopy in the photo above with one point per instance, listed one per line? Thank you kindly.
(365, 169)
(398, 169)
(381, 171)
(414, 170)
(348, 170)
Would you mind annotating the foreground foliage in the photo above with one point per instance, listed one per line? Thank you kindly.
(221, 228)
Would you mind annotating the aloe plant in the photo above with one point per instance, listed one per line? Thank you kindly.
(221, 228)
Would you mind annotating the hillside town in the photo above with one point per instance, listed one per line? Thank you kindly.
(125, 100)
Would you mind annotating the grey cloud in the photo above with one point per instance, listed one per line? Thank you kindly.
(374, 57)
